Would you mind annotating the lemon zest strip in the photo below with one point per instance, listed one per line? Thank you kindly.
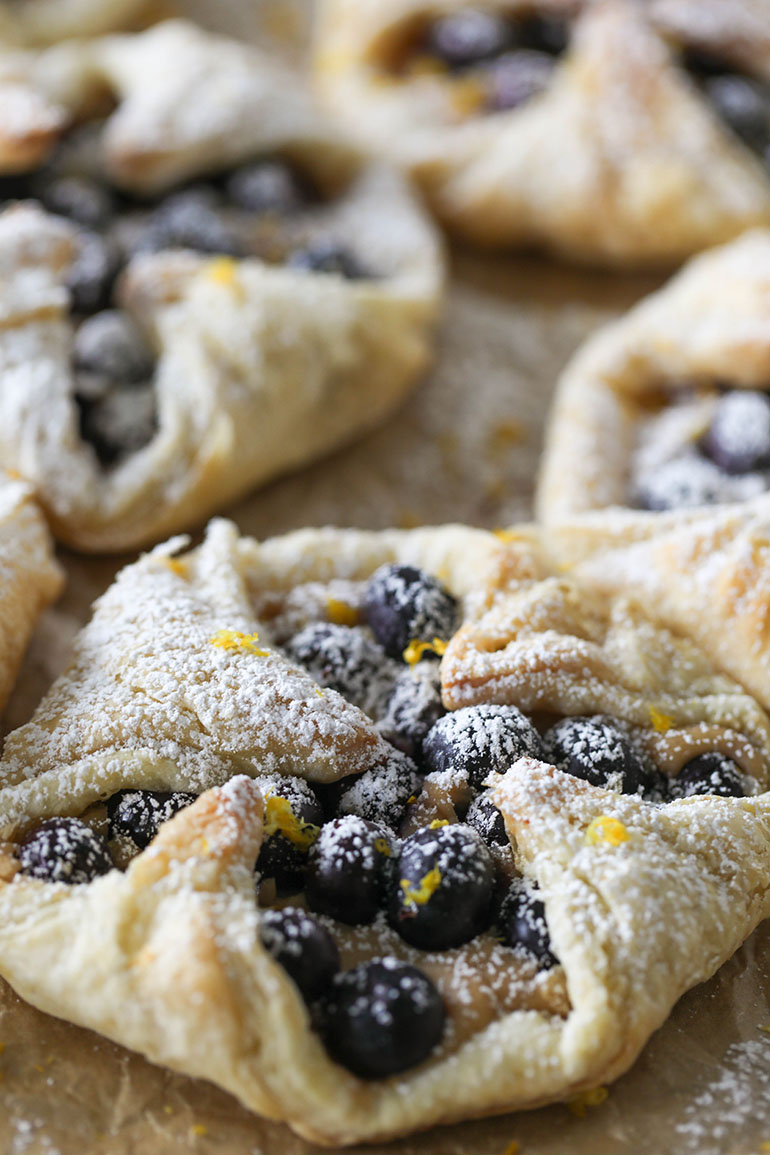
(606, 829)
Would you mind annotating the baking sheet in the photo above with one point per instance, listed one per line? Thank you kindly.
(464, 448)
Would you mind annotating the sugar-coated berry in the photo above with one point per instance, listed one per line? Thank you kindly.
(292, 815)
(348, 868)
(111, 343)
(85, 201)
(382, 793)
(521, 923)
(327, 255)
(744, 106)
(267, 186)
(598, 752)
(304, 948)
(345, 659)
(468, 37)
(404, 604)
(478, 740)
(442, 887)
(485, 818)
(139, 814)
(517, 77)
(117, 420)
(92, 272)
(381, 1018)
(191, 220)
(711, 773)
(64, 850)
(738, 438)
(413, 707)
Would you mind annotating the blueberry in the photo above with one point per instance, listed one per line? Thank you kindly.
(112, 344)
(381, 1018)
(304, 948)
(744, 106)
(92, 273)
(345, 659)
(682, 483)
(442, 887)
(711, 773)
(521, 923)
(64, 850)
(267, 186)
(479, 740)
(598, 752)
(543, 34)
(293, 815)
(413, 707)
(83, 200)
(120, 421)
(404, 604)
(327, 255)
(382, 793)
(487, 820)
(468, 37)
(516, 77)
(190, 220)
(738, 438)
(347, 869)
(139, 814)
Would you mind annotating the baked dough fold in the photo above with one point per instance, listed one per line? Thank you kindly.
(174, 685)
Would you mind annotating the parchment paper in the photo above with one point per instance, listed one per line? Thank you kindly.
(464, 448)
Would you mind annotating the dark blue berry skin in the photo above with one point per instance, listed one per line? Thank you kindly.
(594, 750)
(442, 887)
(381, 1018)
(139, 814)
(405, 604)
(281, 859)
(521, 923)
(477, 740)
(328, 256)
(304, 948)
(339, 658)
(64, 850)
(190, 220)
(711, 773)
(468, 37)
(738, 438)
(110, 343)
(92, 273)
(382, 793)
(413, 707)
(517, 77)
(85, 201)
(543, 34)
(348, 870)
(484, 817)
(267, 186)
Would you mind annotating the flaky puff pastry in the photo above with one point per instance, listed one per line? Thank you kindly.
(620, 161)
(30, 578)
(173, 686)
(709, 325)
(261, 368)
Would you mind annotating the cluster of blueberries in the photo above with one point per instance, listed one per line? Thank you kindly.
(734, 449)
(112, 358)
(511, 58)
(438, 886)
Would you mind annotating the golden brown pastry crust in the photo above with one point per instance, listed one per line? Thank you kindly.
(261, 368)
(619, 162)
(180, 972)
(709, 324)
(30, 579)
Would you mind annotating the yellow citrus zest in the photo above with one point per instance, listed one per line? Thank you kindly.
(437, 823)
(340, 613)
(235, 640)
(224, 271)
(381, 845)
(419, 895)
(415, 650)
(507, 535)
(177, 565)
(281, 819)
(606, 829)
(594, 1097)
(660, 721)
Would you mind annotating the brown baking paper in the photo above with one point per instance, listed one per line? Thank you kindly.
(464, 448)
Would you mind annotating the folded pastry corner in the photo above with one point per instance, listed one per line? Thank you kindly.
(379, 830)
